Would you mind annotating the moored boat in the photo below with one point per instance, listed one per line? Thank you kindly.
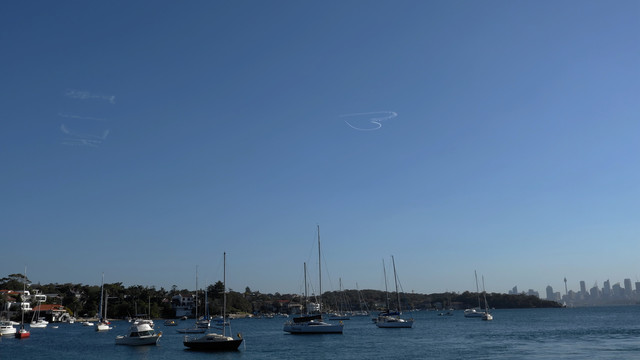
(391, 319)
(6, 328)
(313, 324)
(140, 333)
(214, 341)
(23, 333)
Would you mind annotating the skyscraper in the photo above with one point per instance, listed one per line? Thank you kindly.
(627, 287)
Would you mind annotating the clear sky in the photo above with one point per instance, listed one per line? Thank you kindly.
(144, 138)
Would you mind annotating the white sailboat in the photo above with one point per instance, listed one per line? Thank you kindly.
(392, 319)
(486, 316)
(214, 341)
(103, 323)
(475, 312)
(313, 324)
(36, 320)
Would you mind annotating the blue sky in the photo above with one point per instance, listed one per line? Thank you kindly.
(143, 139)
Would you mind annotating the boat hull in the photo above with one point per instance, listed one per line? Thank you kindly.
(138, 341)
(394, 323)
(213, 345)
(192, 331)
(7, 330)
(22, 334)
(313, 328)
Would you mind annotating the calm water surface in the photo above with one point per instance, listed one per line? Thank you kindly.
(595, 333)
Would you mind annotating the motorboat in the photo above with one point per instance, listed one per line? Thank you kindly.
(140, 333)
(170, 323)
(6, 328)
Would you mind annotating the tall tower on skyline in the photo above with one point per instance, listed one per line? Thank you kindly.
(566, 292)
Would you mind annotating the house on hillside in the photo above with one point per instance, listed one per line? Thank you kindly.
(183, 305)
(52, 312)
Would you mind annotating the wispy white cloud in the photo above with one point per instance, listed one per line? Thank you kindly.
(82, 139)
(368, 121)
(71, 116)
(83, 95)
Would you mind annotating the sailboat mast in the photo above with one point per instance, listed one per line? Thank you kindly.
(106, 300)
(477, 288)
(224, 294)
(386, 288)
(319, 272)
(306, 288)
(101, 299)
(395, 278)
(196, 293)
(24, 289)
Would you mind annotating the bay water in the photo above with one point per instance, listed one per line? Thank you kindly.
(569, 333)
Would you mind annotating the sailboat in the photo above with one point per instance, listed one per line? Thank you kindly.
(486, 316)
(340, 314)
(103, 323)
(313, 324)
(22, 333)
(214, 341)
(199, 327)
(391, 319)
(36, 320)
(475, 312)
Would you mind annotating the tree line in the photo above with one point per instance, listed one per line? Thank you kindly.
(83, 300)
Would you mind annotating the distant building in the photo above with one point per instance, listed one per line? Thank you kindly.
(627, 287)
(514, 291)
(583, 288)
(183, 305)
(550, 294)
(52, 312)
(532, 292)
(606, 289)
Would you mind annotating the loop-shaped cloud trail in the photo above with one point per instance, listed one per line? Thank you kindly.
(374, 117)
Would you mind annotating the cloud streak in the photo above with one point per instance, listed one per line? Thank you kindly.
(71, 116)
(82, 139)
(84, 95)
(368, 121)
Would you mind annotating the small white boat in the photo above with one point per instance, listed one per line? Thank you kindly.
(39, 324)
(87, 323)
(103, 326)
(140, 333)
(6, 329)
(473, 313)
